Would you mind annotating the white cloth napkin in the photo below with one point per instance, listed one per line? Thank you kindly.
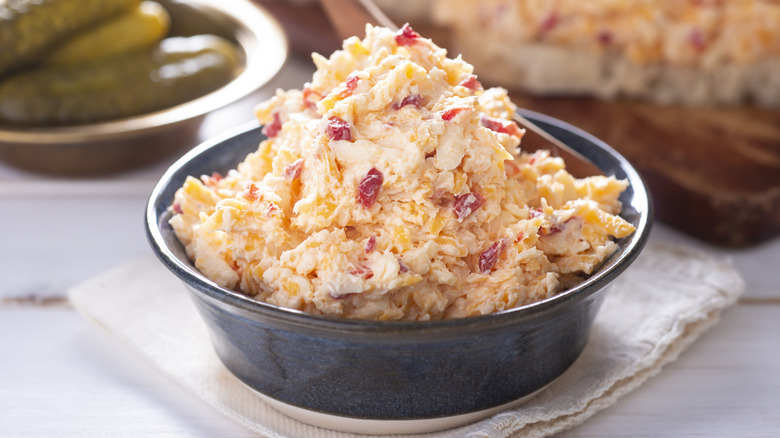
(656, 309)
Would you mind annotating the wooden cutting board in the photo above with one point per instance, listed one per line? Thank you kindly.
(712, 173)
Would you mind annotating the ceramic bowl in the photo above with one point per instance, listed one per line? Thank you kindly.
(109, 146)
(394, 377)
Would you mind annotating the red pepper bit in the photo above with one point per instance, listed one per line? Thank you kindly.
(272, 209)
(362, 271)
(489, 257)
(293, 171)
(406, 36)
(211, 180)
(310, 97)
(177, 208)
(350, 84)
(369, 186)
(272, 129)
(696, 37)
(520, 237)
(501, 125)
(338, 129)
(471, 83)
(442, 198)
(605, 37)
(467, 204)
(549, 22)
(555, 228)
(370, 244)
(412, 99)
(450, 113)
(252, 192)
(511, 168)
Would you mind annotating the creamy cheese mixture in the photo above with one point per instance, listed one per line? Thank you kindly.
(393, 187)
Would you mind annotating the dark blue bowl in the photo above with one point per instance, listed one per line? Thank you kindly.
(377, 370)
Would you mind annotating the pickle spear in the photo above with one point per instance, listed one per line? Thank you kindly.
(30, 27)
(177, 70)
(142, 26)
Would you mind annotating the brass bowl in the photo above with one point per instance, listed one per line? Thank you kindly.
(121, 144)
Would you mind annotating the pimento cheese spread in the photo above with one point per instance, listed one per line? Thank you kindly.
(393, 187)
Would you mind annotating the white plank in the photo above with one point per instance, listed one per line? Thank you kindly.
(726, 385)
(61, 376)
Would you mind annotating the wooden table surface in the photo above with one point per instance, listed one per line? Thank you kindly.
(61, 376)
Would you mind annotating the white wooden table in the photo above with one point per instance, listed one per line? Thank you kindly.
(60, 376)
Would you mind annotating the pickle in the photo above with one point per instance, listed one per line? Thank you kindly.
(30, 27)
(176, 70)
(143, 26)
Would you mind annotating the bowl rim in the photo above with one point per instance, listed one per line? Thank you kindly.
(604, 275)
(263, 61)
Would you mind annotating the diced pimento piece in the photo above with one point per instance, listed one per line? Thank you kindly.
(369, 186)
(467, 204)
(351, 84)
(310, 97)
(272, 209)
(412, 99)
(549, 22)
(211, 180)
(442, 198)
(293, 170)
(272, 129)
(371, 243)
(338, 129)
(406, 36)
(697, 40)
(556, 227)
(501, 125)
(450, 113)
(252, 192)
(362, 271)
(520, 237)
(535, 212)
(471, 83)
(489, 257)
(176, 207)
(511, 168)
(605, 37)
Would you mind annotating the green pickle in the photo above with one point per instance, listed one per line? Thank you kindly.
(175, 71)
(140, 27)
(29, 28)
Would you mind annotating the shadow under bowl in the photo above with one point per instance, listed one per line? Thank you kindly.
(395, 377)
(114, 145)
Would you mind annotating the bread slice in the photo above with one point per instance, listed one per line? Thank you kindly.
(550, 70)
(697, 53)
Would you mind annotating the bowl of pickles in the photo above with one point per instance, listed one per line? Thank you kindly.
(100, 86)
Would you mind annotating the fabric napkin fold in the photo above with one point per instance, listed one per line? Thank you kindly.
(655, 310)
